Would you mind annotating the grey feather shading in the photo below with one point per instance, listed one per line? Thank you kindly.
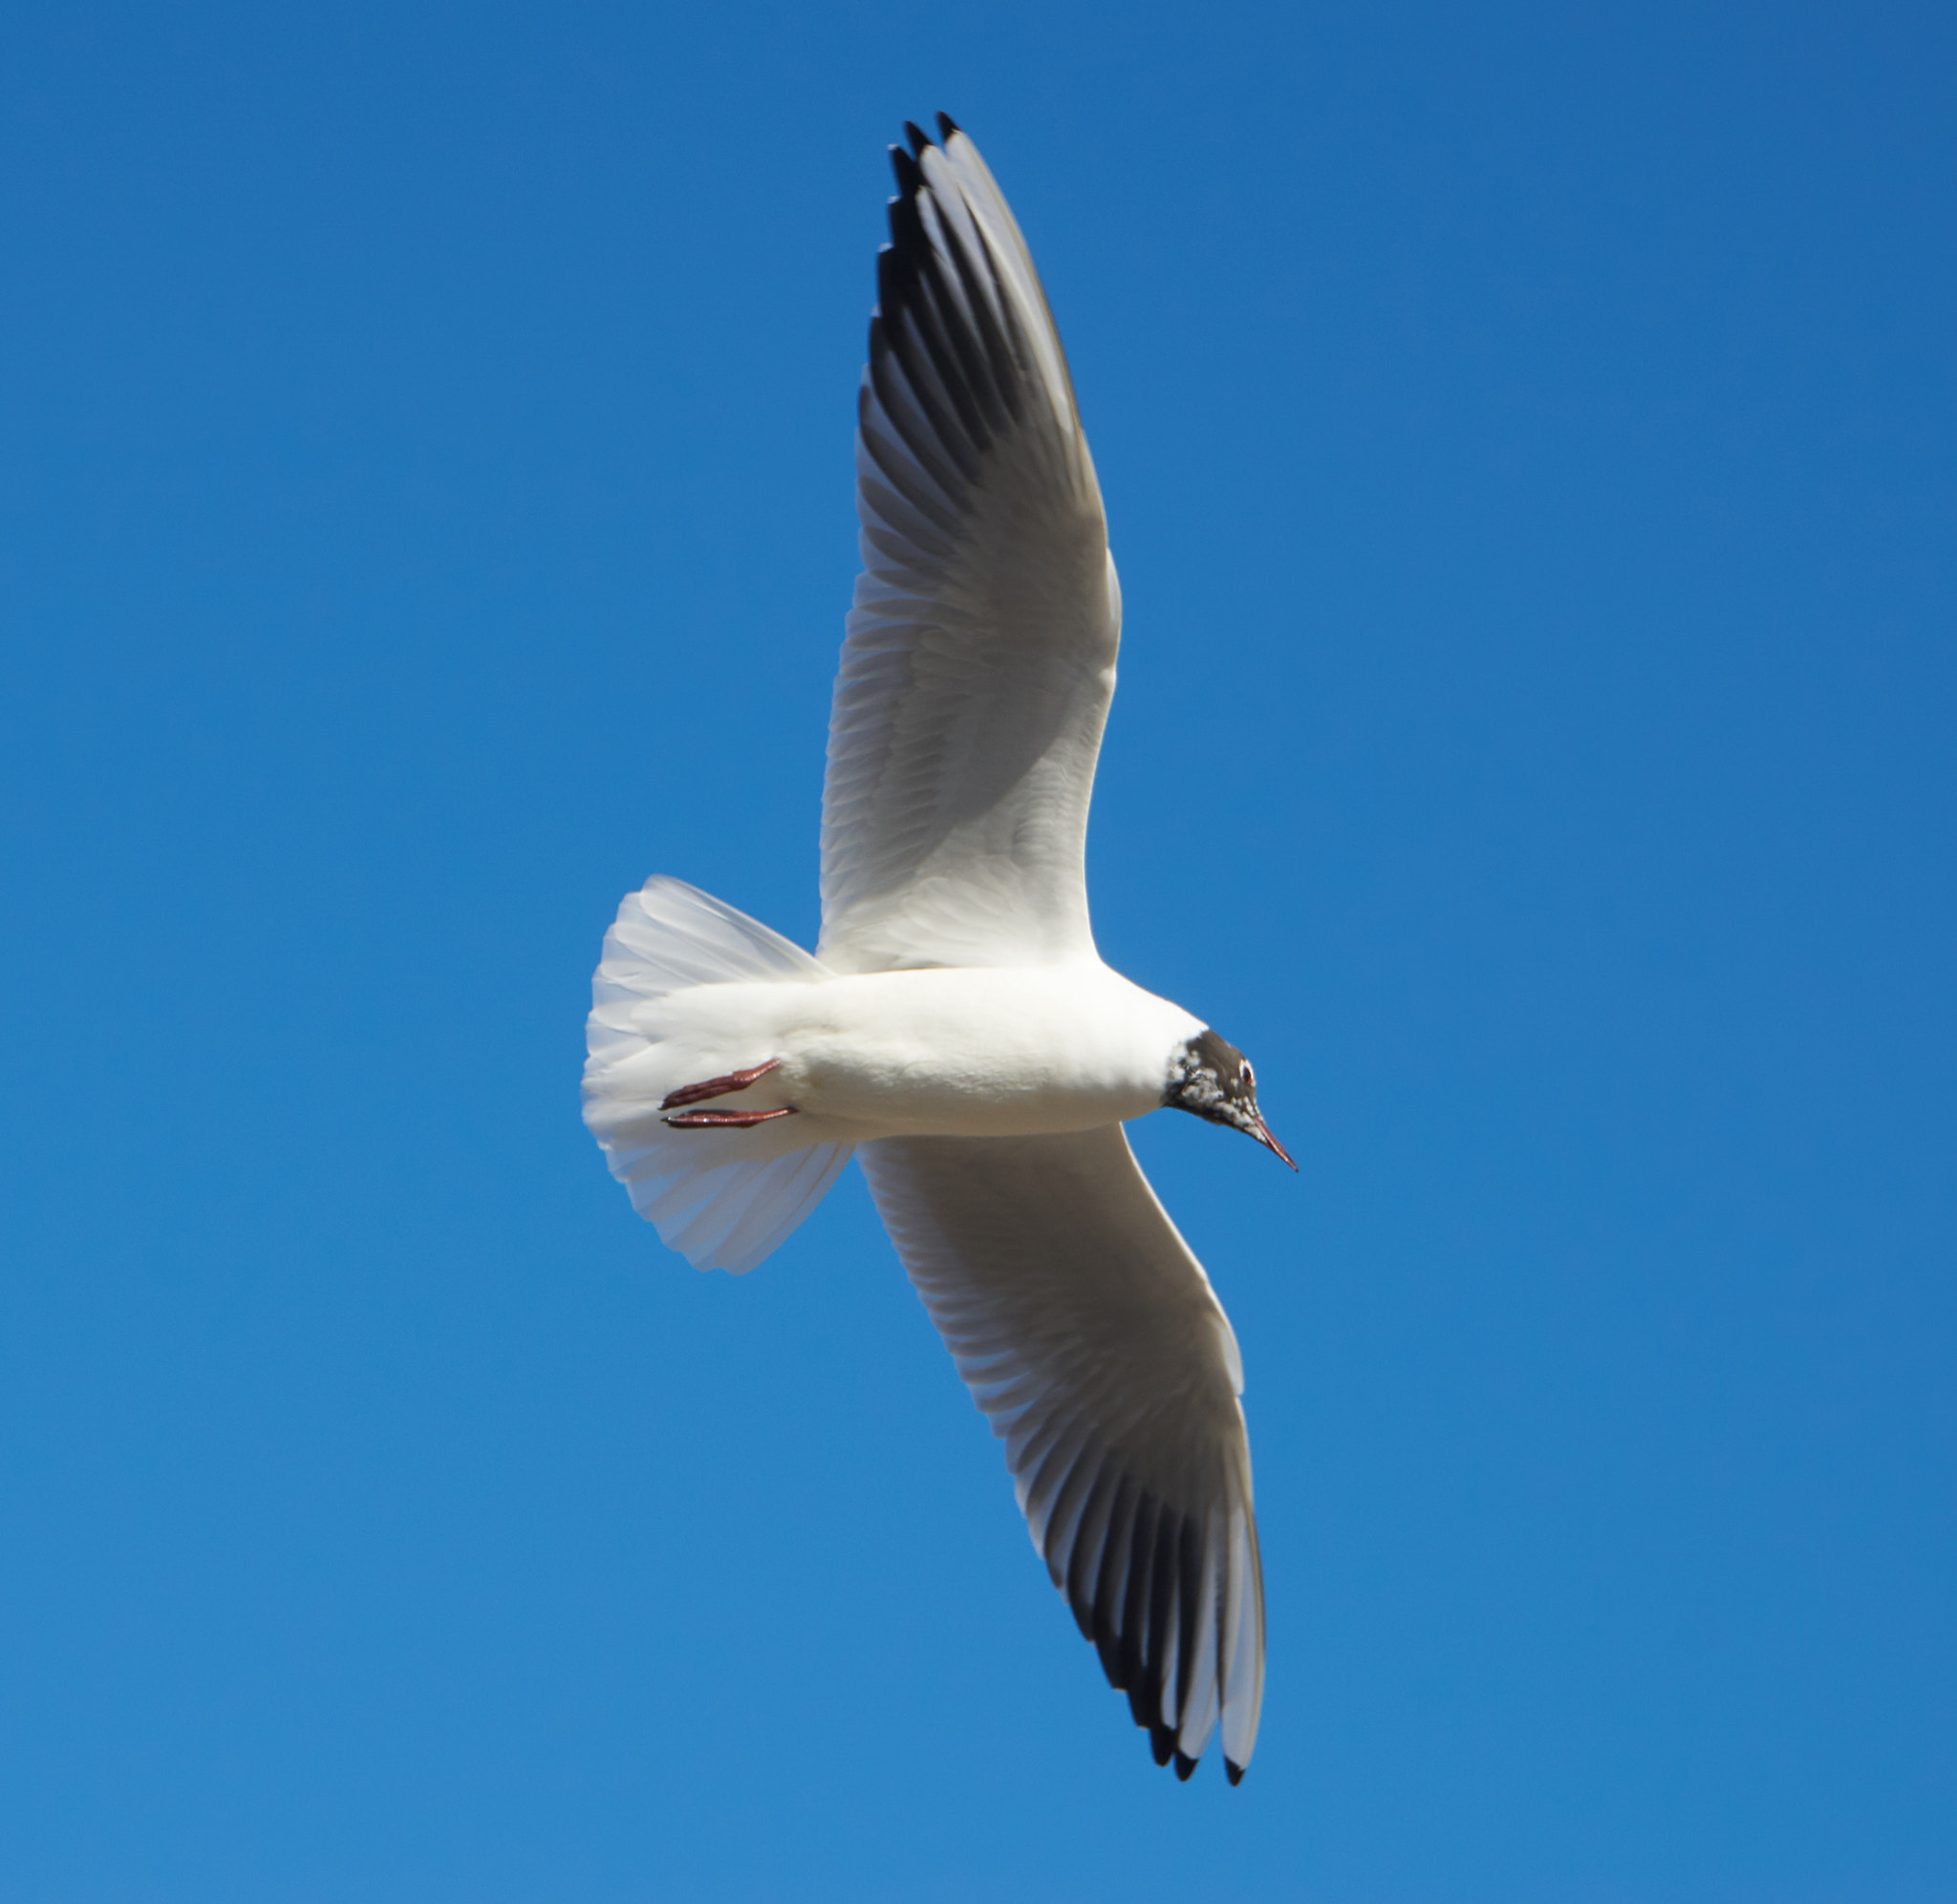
(1090, 1338)
(979, 660)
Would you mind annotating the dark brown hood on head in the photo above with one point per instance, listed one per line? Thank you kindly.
(1211, 1079)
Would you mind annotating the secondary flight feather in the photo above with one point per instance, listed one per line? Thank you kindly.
(956, 1029)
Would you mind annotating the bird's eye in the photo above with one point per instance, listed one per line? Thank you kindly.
(1249, 1081)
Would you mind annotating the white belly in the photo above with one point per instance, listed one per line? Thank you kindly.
(971, 1053)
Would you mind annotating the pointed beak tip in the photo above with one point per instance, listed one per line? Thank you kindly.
(1271, 1144)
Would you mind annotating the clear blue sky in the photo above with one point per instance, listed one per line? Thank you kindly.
(1527, 432)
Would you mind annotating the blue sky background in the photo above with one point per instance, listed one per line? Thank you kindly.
(1527, 434)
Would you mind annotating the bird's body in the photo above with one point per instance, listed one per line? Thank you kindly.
(988, 1051)
(955, 1028)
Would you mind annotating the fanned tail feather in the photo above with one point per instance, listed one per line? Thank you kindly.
(724, 1199)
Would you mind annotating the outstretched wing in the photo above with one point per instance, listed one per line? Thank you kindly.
(980, 659)
(1090, 1336)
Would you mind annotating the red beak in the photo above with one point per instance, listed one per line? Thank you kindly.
(1262, 1134)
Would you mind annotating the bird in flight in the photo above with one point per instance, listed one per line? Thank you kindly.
(956, 1029)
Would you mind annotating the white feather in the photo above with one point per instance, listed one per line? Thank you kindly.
(724, 1199)
(1090, 1338)
(979, 660)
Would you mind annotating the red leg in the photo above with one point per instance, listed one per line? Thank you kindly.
(725, 1120)
(716, 1087)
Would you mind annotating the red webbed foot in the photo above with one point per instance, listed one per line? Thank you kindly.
(716, 1087)
(723, 1087)
(725, 1120)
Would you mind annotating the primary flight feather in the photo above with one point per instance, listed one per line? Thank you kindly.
(955, 1028)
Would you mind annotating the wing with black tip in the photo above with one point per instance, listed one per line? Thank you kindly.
(1090, 1338)
(980, 659)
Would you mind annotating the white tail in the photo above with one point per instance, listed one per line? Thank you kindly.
(724, 1199)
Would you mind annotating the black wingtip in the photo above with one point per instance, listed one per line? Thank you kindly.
(920, 139)
(1184, 1766)
(947, 125)
(1233, 1771)
(904, 168)
(1161, 1743)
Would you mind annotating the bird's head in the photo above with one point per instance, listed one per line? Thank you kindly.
(1209, 1076)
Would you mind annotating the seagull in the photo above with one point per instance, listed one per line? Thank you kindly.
(955, 1029)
